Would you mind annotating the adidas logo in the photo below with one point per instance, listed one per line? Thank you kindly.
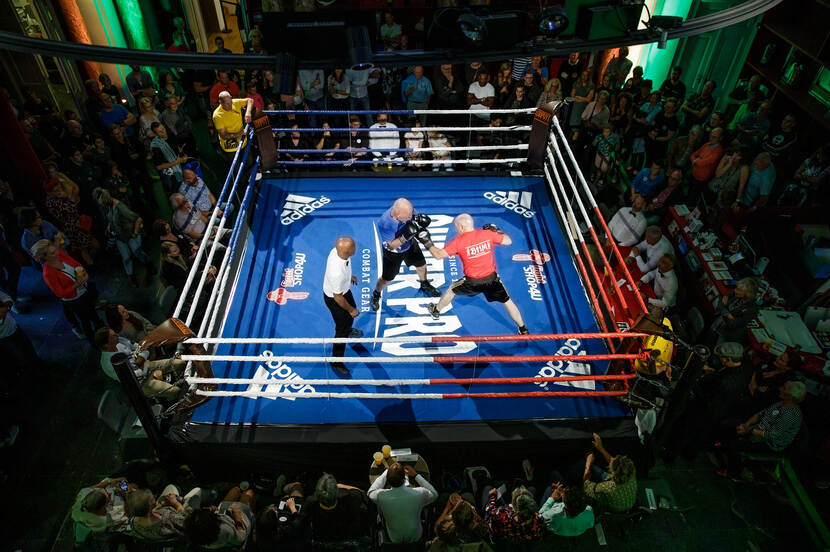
(297, 206)
(518, 202)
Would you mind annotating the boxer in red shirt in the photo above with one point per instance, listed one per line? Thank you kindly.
(475, 249)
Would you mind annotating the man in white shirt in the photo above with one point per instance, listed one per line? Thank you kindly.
(663, 281)
(338, 297)
(149, 373)
(481, 95)
(385, 139)
(648, 252)
(401, 505)
(629, 223)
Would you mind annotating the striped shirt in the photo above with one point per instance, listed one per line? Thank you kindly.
(780, 425)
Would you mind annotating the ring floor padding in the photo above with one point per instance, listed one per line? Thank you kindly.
(295, 224)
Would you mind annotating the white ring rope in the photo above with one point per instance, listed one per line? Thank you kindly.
(439, 338)
(310, 359)
(463, 161)
(468, 148)
(318, 395)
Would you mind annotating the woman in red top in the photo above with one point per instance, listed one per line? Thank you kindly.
(475, 249)
(69, 281)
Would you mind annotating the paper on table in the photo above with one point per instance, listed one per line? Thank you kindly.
(400, 452)
(718, 265)
(723, 275)
(706, 256)
(715, 252)
(681, 210)
(760, 335)
(777, 348)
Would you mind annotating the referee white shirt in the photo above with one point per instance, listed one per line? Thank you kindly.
(627, 227)
(338, 278)
(664, 285)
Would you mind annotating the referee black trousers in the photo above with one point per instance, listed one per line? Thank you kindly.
(342, 321)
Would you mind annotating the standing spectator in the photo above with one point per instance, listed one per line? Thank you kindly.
(504, 83)
(417, 91)
(637, 81)
(338, 512)
(809, 181)
(705, 160)
(538, 70)
(338, 95)
(664, 129)
(225, 527)
(615, 490)
(107, 87)
(551, 93)
(533, 90)
(224, 84)
(84, 175)
(140, 83)
(259, 102)
(64, 211)
(337, 295)
(628, 224)
(178, 124)
(472, 70)
(390, 33)
(69, 281)
(566, 512)
(111, 114)
(313, 82)
(569, 72)
(754, 126)
(15, 347)
(517, 521)
(673, 87)
(618, 68)
(658, 207)
(148, 115)
(449, 91)
(582, 93)
(481, 95)
(126, 228)
(607, 144)
(643, 122)
(648, 252)
(779, 143)
(663, 281)
(698, 107)
(76, 138)
(401, 505)
(359, 91)
(167, 158)
(180, 25)
(622, 115)
(681, 149)
(169, 86)
(755, 194)
(36, 229)
(127, 323)
(730, 176)
(595, 116)
(230, 124)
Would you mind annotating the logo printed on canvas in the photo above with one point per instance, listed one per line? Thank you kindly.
(282, 375)
(518, 202)
(534, 274)
(281, 295)
(293, 276)
(297, 206)
(570, 368)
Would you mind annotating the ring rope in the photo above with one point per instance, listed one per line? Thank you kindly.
(192, 273)
(514, 128)
(408, 150)
(414, 339)
(399, 382)
(398, 111)
(410, 396)
(402, 162)
(416, 359)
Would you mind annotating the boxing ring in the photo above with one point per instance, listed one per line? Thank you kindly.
(465, 378)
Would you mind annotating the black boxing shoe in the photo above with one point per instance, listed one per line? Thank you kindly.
(429, 290)
(433, 310)
(375, 300)
(340, 368)
(523, 330)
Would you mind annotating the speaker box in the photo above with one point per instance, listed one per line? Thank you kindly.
(607, 19)
(285, 74)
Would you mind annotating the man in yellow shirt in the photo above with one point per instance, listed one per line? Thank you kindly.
(228, 120)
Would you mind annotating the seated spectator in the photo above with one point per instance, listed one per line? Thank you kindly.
(648, 252)
(566, 512)
(519, 99)
(731, 175)
(125, 227)
(673, 87)
(356, 142)
(414, 139)
(733, 313)
(754, 126)
(671, 194)
(167, 158)
(629, 223)
(294, 140)
(149, 373)
(327, 141)
(439, 140)
(102, 507)
(165, 233)
(387, 140)
(481, 95)
(390, 32)
(517, 521)
(682, 148)
(768, 379)
(36, 229)
(178, 123)
(251, 93)
(338, 512)
(663, 281)
(116, 114)
(163, 519)
(284, 526)
(16, 350)
(755, 194)
(533, 84)
(56, 179)
(779, 143)
(705, 160)
(648, 181)
(219, 42)
(69, 281)
(459, 523)
(175, 268)
(127, 323)
(615, 490)
(401, 505)
(223, 527)
(195, 190)
(551, 93)
(773, 429)
(107, 87)
(809, 184)
(188, 220)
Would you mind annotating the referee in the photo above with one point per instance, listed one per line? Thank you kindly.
(475, 249)
(397, 228)
(338, 296)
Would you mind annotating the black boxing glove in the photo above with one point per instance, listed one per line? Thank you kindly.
(492, 227)
(422, 220)
(425, 238)
(409, 230)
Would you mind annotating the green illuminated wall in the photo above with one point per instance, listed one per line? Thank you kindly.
(658, 63)
(111, 34)
(134, 26)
